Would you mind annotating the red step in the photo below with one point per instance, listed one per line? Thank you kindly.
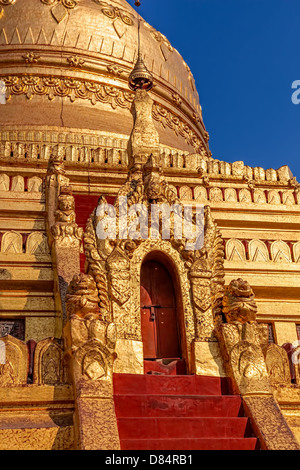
(174, 405)
(173, 412)
(169, 385)
(173, 428)
(190, 444)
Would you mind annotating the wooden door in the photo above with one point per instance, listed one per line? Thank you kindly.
(158, 313)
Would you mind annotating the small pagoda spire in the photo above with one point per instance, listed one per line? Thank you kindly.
(140, 77)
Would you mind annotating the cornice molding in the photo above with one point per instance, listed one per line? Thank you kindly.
(95, 92)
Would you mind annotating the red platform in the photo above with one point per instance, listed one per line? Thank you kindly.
(173, 412)
(165, 367)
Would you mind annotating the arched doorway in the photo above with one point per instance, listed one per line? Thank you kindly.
(160, 329)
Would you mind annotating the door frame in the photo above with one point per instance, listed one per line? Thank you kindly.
(154, 326)
(170, 266)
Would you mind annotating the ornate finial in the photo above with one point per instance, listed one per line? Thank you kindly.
(144, 139)
(140, 78)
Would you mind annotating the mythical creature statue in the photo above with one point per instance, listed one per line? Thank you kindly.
(239, 302)
(82, 297)
(56, 165)
(65, 227)
(66, 207)
(90, 340)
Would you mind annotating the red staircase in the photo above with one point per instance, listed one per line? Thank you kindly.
(173, 412)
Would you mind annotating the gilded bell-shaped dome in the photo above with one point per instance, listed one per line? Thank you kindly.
(66, 65)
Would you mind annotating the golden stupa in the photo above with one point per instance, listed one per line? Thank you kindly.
(87, 117)
(88, 49)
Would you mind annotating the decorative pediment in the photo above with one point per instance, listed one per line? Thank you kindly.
(147, 210)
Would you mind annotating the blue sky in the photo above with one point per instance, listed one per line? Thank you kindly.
(244, 55)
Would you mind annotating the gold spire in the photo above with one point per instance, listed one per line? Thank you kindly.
(140, 78)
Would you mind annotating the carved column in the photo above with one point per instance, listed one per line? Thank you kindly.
(207, 280)
(90, 352)
(207, 356)
(63, 232)
(144, 139)
(244, 343)
(54, 181)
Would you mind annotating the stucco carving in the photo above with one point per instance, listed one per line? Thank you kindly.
(49, 366)
(12, 242)
(245, 195)
(14, 362)
(37, 244)
(278, 366)
(258, 251)
(116, 264)
(242, 346)
(280, 252)
(235, 250)
(89, 339)
(65, 230)
(230, 195)
(239, 302)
